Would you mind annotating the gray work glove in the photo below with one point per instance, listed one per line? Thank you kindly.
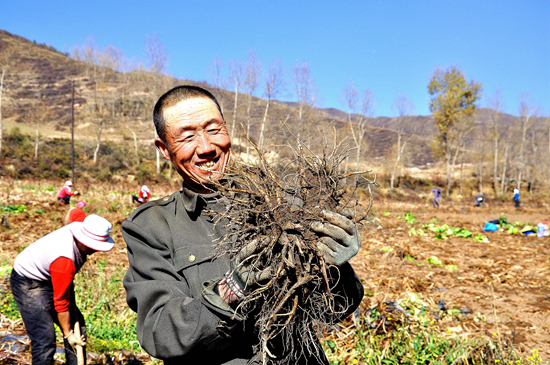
(243, 276)
(73, 340)
(339, 239)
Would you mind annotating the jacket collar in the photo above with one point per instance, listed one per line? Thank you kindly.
(190, 198)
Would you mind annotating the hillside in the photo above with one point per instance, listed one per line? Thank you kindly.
(38, 92)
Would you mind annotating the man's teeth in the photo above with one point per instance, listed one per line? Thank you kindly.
(206, 165)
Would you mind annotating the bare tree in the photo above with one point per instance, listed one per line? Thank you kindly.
(156, 55)
(536, 156)
(252, 76)
(236, 80)
(89, 53)
(76, 54)
(350, 98)
(456, 142)
(526, 111)
(496, 108)
(359, 109)
(480, 152)
(365, 113)
(111, 58)
(99, 111)
(136, 149)
(274, 85)
(157, 61)
(36, 115)
(404, 108)
(504, 166)
(306, 94)
(215, 70)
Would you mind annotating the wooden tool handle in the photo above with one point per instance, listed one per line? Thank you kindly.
(79, 350)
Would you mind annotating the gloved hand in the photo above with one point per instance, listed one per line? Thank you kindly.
(73, 340)
(339, 239)
(243, 276)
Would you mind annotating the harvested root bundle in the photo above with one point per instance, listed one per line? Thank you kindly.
(275, 207)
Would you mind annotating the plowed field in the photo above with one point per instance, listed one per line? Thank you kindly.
(503, 285)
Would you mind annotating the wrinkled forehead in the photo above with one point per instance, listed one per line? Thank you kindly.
(190, 108)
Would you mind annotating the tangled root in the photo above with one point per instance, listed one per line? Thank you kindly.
(276, 205)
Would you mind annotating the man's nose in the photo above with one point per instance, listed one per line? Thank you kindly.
(204, 144)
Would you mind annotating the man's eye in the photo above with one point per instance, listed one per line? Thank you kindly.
(213, 130)
(188, 138)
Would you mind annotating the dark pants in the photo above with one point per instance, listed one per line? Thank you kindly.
(35, 302)
(135, 199)
(435, 203)
(516, 202)
(65, 200)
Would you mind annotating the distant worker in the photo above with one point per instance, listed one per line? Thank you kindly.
(75, 214)
(437, 196)
(516, 198)
(42, 285)
(64, 196)
(479, 199)
(143, 196)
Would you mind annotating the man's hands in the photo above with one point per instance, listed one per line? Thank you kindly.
(339, 241)
(73, 339)
(243, 276)
(339, 238)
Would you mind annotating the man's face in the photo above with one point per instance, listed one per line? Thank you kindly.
(197, 142)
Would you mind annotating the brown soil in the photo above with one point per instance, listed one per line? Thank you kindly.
(505, 283)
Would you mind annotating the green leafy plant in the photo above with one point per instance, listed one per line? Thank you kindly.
(416, 232)
(481, 238)
(14, 209)
(49, 188)
(434, 260)
(462, 232)
(100, 297)
(409, 218)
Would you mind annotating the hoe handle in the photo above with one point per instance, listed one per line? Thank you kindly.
(79, 350)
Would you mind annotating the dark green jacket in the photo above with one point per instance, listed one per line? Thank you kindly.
(169, 282)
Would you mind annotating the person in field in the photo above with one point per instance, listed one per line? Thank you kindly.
(143, 195)
(480, 198)
(64, 195)
(437, 196)
(184, 295)
(516, 198)
(42, 285)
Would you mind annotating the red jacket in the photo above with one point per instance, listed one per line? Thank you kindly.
(66, 191)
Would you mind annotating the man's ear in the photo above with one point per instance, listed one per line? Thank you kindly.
(161, 146)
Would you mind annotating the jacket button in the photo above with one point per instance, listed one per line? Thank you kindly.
(192, 258)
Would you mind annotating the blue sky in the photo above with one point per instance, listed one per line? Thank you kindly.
(390, 46)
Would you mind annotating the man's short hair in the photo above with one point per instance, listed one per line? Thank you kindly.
(173, 97)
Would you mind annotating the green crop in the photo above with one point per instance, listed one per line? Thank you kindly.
(409, 218)
(14, 209)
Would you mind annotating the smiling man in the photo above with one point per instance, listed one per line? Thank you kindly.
(192, 134)
(183, 294)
